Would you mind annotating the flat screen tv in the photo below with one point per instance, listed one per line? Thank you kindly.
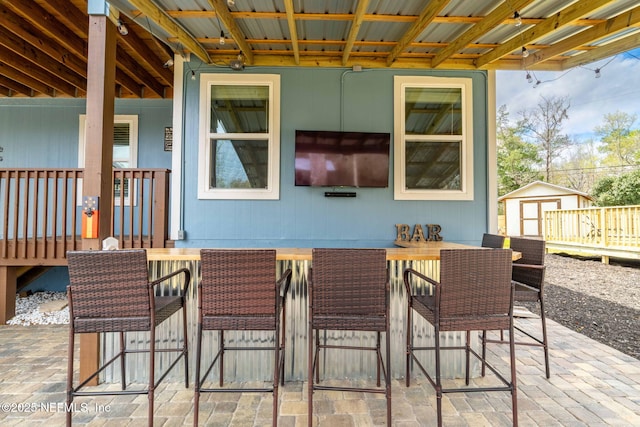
(342, 159)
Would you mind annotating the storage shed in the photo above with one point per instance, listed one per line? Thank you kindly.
(524, 208)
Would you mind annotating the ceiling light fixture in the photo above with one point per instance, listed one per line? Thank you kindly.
(222, 40)
(122, 29)
(518, 18)
(525, 52)
(597, 70)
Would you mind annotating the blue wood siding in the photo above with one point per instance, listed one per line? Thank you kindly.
(329, 99)
(43, 132)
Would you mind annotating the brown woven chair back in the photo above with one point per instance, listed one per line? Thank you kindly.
(238, 282)
(475, 283)
(492, 241)
(532, 251)
(109, 284)
(352, 288)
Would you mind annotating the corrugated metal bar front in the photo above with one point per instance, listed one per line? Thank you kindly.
(258, 365)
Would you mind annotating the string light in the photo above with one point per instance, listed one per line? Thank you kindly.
(597, 70)
(222, 40)
(525, 52)
(529, 78)
(518, 18)
(193, 75)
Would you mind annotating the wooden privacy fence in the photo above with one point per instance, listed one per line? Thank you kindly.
(41, 212)
(608, 231)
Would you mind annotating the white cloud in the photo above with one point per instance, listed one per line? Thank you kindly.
(591, 98)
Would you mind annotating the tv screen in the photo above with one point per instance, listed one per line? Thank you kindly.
(342, 159)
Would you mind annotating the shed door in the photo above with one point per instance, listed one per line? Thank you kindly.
(532, 214)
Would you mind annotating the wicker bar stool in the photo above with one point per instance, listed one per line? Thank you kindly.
(474, 294)
(239, 291)
(110, 291)
(528, 278)
(495, 241)
(349, 290)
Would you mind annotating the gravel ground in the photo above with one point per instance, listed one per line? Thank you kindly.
(598, 300)
(31, 310)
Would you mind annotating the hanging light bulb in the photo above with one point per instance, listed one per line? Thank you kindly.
(529, 78)
(193, 75)
(230, 3)
(525, 52)
(597, 73)
(222, 40)
(122, 29)
(518, 18)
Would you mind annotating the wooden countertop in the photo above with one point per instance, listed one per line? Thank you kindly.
(428, 251)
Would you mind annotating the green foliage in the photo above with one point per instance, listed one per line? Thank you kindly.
(518, 160)
(618, 191)
(620, 144)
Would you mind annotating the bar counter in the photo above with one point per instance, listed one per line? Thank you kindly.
(427, 251)
(258, 365)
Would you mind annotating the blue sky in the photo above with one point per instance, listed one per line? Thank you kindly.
(617, 89)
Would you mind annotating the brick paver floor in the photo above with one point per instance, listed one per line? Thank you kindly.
(591, 385)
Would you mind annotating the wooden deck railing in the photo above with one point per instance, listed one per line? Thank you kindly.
(608, 231)
(41, 219)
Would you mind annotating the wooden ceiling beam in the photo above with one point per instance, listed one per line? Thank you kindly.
(211, 14)
(356, 23)
(560, 19)
(605, 51)
(144, 52)
(32, 54)
(38, 73)
(71, 16)
(493, 19)
(23, 79)
(30, 33)
(220, 6)
(15, 86)
(5, 91)
(293, 31)
(131, 66)
(159, 16)
(426, 17)
(617, 23)
(48, 24)
(129, 83)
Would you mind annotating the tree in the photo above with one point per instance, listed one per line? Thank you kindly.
(618, 191)
(620, 143)
(517, 159)
(579, 169)
(543, 125)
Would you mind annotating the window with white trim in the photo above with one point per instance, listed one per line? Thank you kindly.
(239, 149)
(125, 149)
(433, 142)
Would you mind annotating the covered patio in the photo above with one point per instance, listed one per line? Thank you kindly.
(592, 385)
(149, 50)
